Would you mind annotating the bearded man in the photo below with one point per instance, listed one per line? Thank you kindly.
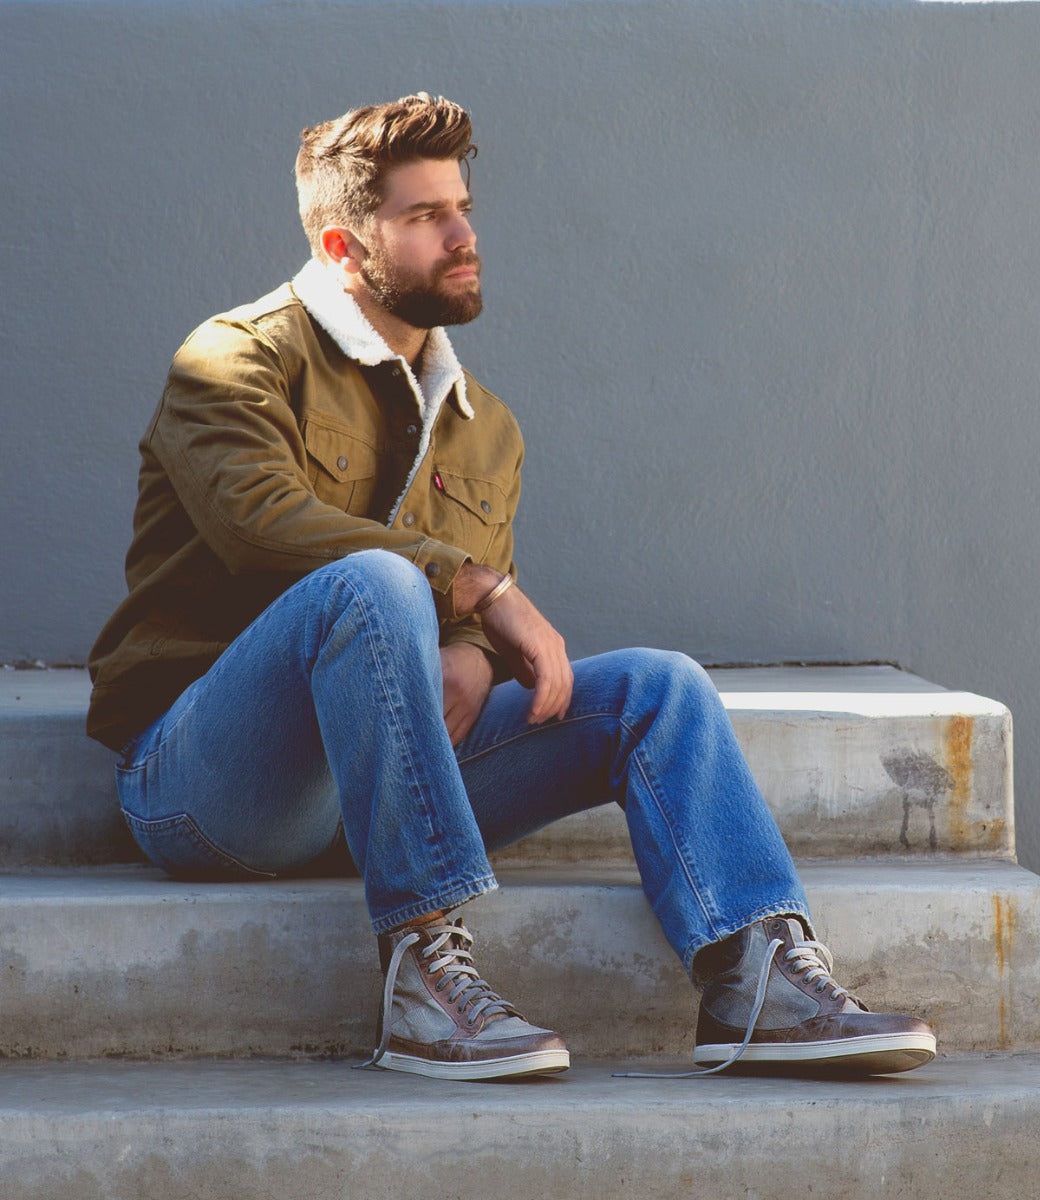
(323, 633)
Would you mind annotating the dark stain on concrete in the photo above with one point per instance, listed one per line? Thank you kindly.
(923, 781)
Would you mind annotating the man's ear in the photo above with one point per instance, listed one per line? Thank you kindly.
(341, 245)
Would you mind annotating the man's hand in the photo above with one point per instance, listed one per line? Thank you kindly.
(524, 638)
(467, 681)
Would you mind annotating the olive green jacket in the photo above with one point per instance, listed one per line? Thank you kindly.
(289, 435)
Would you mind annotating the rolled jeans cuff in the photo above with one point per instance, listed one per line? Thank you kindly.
(784, 908)
(450, 898)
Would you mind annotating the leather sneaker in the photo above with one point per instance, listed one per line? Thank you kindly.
(771, 1003)
(439, 1018)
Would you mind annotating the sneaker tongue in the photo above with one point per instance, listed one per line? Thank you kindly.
(796, 929)
(799, 934)
(494, 1014)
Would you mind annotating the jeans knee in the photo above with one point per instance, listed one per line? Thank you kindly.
(383, 568)
(665, 666)
(380, 581)
(376, 572)
(667, 676)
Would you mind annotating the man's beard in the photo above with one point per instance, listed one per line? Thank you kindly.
(420, 303)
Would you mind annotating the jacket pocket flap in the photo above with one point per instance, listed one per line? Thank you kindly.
(483, 498)
(343, 457)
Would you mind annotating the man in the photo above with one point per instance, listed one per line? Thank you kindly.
(323, 631)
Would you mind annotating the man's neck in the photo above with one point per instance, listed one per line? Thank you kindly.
(402, 338)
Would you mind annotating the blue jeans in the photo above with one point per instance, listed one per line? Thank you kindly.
(328, 710)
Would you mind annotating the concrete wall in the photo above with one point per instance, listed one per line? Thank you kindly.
(761, 282)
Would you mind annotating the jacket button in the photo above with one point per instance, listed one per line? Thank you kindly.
(412, 430)
(408, 519)
(485, 506)
(341, 462)
(432, 570)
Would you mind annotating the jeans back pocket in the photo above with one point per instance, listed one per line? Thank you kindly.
(176, 844)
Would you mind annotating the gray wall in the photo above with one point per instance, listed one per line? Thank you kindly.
(761, 281)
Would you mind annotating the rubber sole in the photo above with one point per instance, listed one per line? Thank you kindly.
(876, 1054)
(539, 1062)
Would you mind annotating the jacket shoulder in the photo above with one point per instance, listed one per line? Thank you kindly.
(484, 402)
(277, 318)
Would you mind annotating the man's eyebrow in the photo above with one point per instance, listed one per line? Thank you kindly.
(433, 205)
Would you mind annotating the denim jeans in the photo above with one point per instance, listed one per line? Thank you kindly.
(328, 710)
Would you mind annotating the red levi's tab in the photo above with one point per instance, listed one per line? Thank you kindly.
(438, 483)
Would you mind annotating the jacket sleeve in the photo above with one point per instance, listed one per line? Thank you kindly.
(226, 435)
(500, 557)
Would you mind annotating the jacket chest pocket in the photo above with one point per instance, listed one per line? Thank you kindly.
(475, 508)
(341, 468)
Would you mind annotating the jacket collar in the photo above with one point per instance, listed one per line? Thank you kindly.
(336, 311)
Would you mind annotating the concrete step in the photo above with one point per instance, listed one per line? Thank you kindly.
(264, 1130)
(121, 961)
(853, 761)
(57, 795)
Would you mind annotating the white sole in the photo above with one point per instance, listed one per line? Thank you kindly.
(538, 1062)
(881, 1053)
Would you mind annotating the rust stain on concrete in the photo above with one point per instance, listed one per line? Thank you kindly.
(999, 925)
(1003, 936)
(957, 736)
(957, 743)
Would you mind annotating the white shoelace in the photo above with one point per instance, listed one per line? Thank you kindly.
(811, 957)
(468, 990)
(815, 960)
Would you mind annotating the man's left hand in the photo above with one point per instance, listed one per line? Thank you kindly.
(467, 681)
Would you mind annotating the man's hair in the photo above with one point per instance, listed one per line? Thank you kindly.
(342, 165)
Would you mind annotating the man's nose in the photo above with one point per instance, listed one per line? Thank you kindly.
(461, 234)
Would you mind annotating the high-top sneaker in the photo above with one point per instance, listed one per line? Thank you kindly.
(770, 1001)
(440, 1018)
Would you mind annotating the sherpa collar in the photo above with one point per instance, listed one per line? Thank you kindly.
(336, 311)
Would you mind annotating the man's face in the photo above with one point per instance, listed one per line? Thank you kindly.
(422, 263)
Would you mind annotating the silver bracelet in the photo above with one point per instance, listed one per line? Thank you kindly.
(496, 593)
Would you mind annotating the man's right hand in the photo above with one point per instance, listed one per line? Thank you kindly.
(534, 650)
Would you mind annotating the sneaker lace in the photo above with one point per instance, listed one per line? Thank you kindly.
(815, 960)
(447, 953)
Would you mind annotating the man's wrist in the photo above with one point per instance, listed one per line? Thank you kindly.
(473, 584)
(496, 593)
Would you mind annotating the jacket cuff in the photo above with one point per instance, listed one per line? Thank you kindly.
(440, 564)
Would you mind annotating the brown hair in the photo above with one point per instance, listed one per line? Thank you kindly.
(342, 164)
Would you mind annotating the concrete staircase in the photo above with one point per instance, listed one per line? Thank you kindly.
(169, 1040)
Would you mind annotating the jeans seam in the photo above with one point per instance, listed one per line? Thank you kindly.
(536, 729)
(378, 643)
(414, 767)
(670, 824)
